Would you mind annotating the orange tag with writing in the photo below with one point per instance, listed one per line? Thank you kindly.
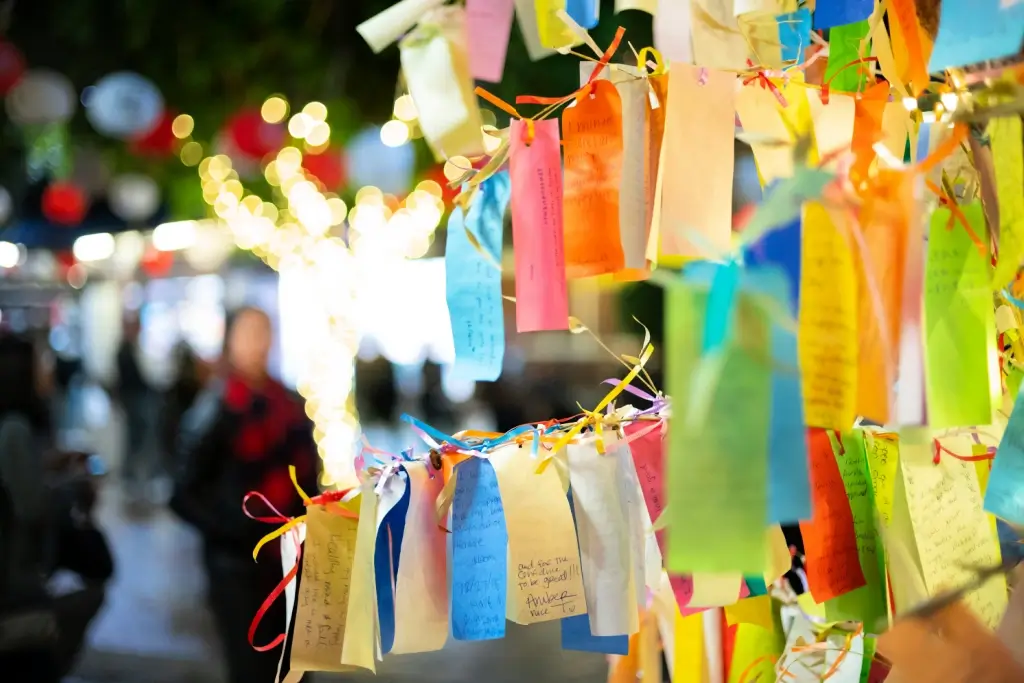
(592, 131)
(830, 541)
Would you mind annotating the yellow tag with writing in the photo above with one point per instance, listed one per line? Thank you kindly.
(322, 607)
(361, 634)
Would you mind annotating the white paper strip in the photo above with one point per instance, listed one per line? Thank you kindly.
(388, 26)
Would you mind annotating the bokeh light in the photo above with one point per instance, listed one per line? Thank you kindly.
(394, 133)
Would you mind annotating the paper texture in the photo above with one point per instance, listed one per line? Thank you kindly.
(479, 554)
(696, 209)
(421, 588)
(542, 301)
(604, 541)
(833, 126)
(322, 610)
(387, 27)
(672, 30)
(759, 115)
(544, 578)
(830, 539)
(960, 321)
(717, 40)
(526, 16)
(951, 531)
(971, 32)
(436, 67)
(827, 337)
(473, 281)
(1008, 161)
(361, 620)
(592, 132)
(488, 27)
(1005, 495)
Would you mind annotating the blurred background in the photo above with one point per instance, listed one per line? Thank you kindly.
(166, 163)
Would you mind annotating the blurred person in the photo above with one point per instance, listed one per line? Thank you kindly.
(179, 397)
(134, 394)
(436, 409)
(241, 435)
(46, 524)
(376, 394)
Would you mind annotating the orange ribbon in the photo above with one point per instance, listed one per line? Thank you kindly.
(585, 89)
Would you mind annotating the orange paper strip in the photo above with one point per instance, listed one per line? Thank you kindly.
(593, 170)
(830, 542)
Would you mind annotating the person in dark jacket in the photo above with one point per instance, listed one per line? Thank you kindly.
(46, 501)
(136, 398)
(241, 435)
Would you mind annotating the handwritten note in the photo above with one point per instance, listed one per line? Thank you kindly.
(883, 452)
(953, 536)
(361, 620)
(322, 608)
(593, 173)
(421, 586)
(960, 321)
(755, 650)
(827, 336)
(436, 69)
(488, 26)
(479, 554)
(696, 208)
(545, 581)
(1008, 162)
(866, 604)
(830, 539)
(1005, 494)
(648, 453)
(717, 469)
(542, 300)
(971, 32)
(473, 281)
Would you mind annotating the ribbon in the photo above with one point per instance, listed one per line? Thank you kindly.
(761, 77)
(585, 90)
(956, 215)
(508, 109)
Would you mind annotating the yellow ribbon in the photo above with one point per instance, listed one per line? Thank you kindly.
(290, 524)
(641, 61)
(593, 417)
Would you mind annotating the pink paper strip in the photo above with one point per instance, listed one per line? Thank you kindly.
(542, 300)
(488, 27)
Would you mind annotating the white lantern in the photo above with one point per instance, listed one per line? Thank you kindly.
(123, 105)
(133, 197)
(40, 97)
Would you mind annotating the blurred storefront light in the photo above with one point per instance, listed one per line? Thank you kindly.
(96, 247)
(10, 255)
(174, 236)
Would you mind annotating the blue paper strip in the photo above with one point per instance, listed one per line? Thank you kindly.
(794, 34)
(829, 13)
(972, 31)
(479, 553)
(781, 248)
(1004, 497)
(473, 282)
(586, 13)
(721, 300)
(386, 556)
(576, 633)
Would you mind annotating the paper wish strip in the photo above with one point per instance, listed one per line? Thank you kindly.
(535, 166)
(488, 26)
(473, 281)
(435, 62)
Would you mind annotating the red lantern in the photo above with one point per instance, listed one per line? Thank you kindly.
(328, 168)
(159, 141)
(12, 66)
(253, 136)
(64, 203)
(156, 263)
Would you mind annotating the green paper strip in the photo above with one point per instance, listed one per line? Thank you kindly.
(959, 322)
(844, 47)
(717, 465)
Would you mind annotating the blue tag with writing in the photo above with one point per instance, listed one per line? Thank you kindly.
(473, 281)
(479, 553)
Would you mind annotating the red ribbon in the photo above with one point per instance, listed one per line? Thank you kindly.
(940, 449)
(586, 89)
(766, 84)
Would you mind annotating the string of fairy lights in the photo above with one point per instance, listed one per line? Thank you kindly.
(300, 233)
